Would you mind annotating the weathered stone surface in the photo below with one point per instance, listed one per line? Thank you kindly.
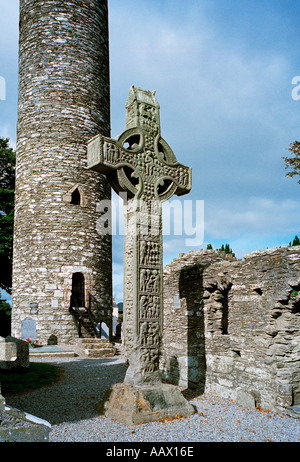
(15, 425)
(96, 348)
(245, 399)
(8, 351)
(239, 321)
(20, 427)
(132, 405)
(21, 358)
(141, 165)
(63, 102)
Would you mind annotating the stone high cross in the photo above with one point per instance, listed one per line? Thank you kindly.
(141, 165)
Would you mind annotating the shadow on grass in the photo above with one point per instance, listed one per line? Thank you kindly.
(74, 393)
(38, 375)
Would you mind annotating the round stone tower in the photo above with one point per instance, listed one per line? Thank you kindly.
(61, 265)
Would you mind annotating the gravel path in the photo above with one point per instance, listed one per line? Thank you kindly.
(69, 406)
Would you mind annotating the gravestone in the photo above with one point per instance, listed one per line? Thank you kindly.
(142, 168)
(28, 329)
(52, 340)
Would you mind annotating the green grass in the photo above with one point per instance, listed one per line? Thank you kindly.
(38, 375)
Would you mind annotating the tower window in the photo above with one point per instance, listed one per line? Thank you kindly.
(75, 197)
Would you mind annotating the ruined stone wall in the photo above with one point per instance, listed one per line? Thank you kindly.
(183, 332)
(237, 330)
(63, 103)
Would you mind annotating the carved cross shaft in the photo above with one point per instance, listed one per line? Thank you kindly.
(142, 165)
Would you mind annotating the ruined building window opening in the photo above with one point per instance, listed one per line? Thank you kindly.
(296, 309)
(296, 305)
(78, 290)
(225, 311)
(76, 197)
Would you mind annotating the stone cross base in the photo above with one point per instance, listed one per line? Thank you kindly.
(133, 405)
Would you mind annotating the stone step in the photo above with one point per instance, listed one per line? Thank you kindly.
(100, 353)
(94, 343)
(96, 348)
(52, 350)
(61, 354)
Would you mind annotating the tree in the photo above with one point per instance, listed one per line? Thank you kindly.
(5, 318)
(226, 248)
(293, 162)
(296, 241)
(7, 189)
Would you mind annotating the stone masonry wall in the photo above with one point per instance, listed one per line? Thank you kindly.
(63, 103)
(237, 330)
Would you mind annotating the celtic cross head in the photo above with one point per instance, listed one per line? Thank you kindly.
(139, 162)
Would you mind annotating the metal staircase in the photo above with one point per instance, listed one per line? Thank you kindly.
(87, 318)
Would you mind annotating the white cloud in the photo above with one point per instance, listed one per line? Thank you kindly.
(257, 216)
(7, 131)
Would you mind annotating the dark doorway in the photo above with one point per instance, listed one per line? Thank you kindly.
(191, 289)
(77, 297)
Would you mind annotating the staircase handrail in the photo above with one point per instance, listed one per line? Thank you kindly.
(94, 304)
(77, 317)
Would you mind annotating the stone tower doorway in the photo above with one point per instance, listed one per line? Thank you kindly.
(78, 290)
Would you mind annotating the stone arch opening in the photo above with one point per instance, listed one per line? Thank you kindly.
(76, 197)
(78, 290)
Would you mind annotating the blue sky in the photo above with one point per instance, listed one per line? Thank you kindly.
(222, 71)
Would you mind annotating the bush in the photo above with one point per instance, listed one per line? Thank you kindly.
(296, 241)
